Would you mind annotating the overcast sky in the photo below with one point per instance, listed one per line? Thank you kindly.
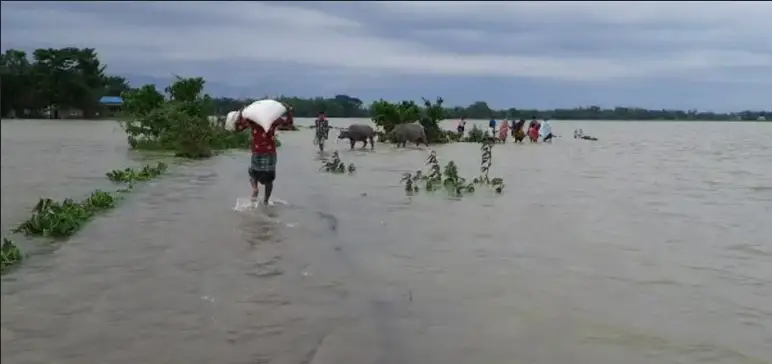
(711, 55)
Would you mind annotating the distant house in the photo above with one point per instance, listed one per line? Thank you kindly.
(111, 105)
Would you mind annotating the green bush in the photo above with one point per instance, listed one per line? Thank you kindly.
(177, 121)
(478, 135)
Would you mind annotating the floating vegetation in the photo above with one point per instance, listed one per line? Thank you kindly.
(63, 218)
(131, 175)
(335, 165)
(10, 255)
(447, 177)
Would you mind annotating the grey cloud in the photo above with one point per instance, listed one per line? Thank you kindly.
(256, 46)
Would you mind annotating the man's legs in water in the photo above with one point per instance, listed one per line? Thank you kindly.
(268, 190)
(263, 171)
(255, 186)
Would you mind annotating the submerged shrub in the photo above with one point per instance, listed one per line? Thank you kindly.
(437, 177)
(447, 177)
(333, 164)
(485, 165)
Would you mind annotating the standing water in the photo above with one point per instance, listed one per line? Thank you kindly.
(651, 245)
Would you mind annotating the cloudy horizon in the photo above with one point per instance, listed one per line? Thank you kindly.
(675, 55)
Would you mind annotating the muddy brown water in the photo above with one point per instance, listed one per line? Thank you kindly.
(651, 245)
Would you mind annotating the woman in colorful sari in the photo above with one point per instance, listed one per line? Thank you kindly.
(504, 131)
(519, 133)
(533, 133)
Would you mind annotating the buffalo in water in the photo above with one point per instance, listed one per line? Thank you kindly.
(411, 132)
(358, 133)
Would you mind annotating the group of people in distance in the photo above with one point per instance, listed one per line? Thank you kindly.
(516, 129)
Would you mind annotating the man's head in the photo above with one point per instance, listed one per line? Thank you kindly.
(321, 115)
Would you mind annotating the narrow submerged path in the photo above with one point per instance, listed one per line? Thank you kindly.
(175, 275)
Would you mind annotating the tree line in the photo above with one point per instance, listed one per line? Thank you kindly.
(54, 81)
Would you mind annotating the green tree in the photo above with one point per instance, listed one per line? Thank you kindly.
(18, 91)
(177, 120)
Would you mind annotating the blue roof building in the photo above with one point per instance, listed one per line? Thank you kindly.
(111, 100)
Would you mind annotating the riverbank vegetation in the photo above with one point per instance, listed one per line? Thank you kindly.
(69, 82)
(447, 177)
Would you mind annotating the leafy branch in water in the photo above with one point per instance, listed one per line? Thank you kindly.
(438, 176)
(64, 218)
(333, 164)
(485, 165)
(130, 175)
(10, 255)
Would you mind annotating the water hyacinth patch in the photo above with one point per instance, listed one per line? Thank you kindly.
(63, 218)
(10, 255)
(131, 175)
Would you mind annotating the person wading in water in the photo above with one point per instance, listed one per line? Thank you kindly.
(461, 125)
(262, 168)
(322, 126)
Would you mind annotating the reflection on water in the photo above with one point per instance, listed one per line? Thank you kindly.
(648, 246)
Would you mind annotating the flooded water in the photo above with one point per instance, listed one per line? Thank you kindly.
(651, 245)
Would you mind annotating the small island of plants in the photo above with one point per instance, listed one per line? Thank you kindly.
(177, 121)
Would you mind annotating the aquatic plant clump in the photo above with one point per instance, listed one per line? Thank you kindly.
(10, 255)
(131, 175)
(63, 218)
(335, 165)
